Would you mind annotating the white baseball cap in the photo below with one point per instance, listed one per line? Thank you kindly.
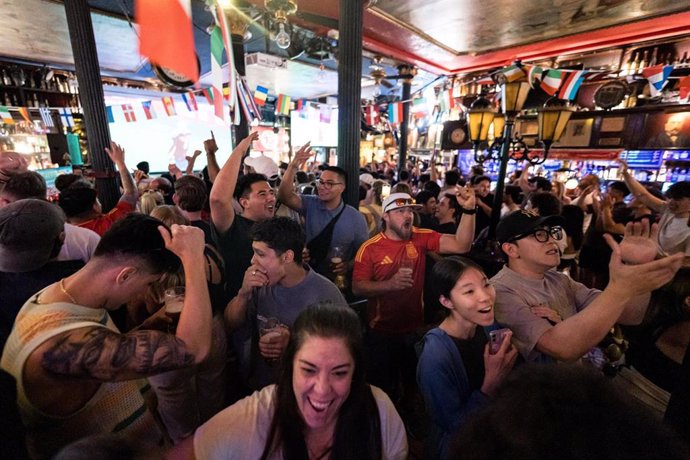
(399, 200)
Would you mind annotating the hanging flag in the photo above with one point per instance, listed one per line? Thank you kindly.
(260, 95)
(512, 73)
(127, 109)
(66, 117)
(371, 115)
(534, 75)
(217, 71)
(166, 35)
(684, 89)
(419, 107)
(597, 76)
(148, 110)
(6, 116)
(656, 77)
(571, 85)
(283, 104)
(551, 81)
(252, 105)
(208, 95)
(109, 114)
(25, 114)
(325, 113)
(169, 105)
(190, 101)
(231, 96)
(395, 113)
(47, 117)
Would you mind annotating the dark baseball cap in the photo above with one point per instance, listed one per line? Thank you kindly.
(29, 230)
(522, 223)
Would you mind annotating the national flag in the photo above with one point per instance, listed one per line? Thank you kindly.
(251, 102)
(571, 85)
(217, 48)
(552, 80)
(419, 107)
(325, 113)
(596, 76)
(25, 114)
(534, 74)
(283, 105)
(66, 117)
(169, 105)
(443, 101)
(512, 73)
(371, 115)
(6, 116)
(260, 95)
(148, 110)
(232, 89)
(190, 101)
(208, 95)
(166, 35)
(684, 88)
(395, 113)
(127, 109)
(656, 77)
(47, 117)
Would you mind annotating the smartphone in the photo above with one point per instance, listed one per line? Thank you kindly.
(385, 191)
(496, 339)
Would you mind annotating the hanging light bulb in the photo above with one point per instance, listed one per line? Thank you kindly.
(322, 73)
(282, 37)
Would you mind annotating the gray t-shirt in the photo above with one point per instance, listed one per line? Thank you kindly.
(285, 304)
(349, 232)
(515, 295)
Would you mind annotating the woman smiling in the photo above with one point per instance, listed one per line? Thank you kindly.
(321, 408)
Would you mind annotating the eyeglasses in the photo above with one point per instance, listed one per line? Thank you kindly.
(403, 202)
(542, 234)
(327, 184)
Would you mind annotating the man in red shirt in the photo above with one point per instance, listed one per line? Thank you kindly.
(81, 205)
(389, 270)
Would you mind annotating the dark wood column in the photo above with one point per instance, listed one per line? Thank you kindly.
(408, 72)
(349, 93)
(92, 99)
(238, 26)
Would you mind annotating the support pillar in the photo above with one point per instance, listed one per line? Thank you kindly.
(349, 94)
(408, 72)
(238, 27)
(92, 99)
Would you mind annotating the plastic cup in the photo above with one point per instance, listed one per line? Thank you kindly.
(174, 300)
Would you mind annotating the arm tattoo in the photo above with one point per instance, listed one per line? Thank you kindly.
(102, 354)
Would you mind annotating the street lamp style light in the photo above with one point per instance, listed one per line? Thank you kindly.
(552, 118)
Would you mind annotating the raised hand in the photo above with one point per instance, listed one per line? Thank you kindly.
(466, 197)
(194, 155)
(623, 166)
(210, 146)
(245, 143)
(639, 243)
(302, 155)
(116, 153)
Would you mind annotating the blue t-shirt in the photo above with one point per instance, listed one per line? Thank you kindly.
(349, 233)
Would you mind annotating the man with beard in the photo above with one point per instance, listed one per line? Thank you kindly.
(389, 270)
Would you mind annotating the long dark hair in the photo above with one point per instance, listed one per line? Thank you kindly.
(358, 429)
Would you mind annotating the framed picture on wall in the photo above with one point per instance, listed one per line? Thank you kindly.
(612, 125)
(666, 131)
(578, 133)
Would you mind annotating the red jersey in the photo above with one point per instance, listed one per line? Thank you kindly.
(379, 259)
(102, 223)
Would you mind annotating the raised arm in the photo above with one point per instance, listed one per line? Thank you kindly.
(523, 180)
(286, 191)
(638, 190)
(461, 242)
(117, 155)
(624, 300)
(190, 162)
(211, 160)
(222, 212)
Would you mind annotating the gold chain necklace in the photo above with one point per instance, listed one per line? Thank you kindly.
(64, 291)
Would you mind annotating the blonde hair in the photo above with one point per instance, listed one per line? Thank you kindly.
(169, 215)
(149, 201)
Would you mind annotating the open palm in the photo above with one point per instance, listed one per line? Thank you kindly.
(639, 244)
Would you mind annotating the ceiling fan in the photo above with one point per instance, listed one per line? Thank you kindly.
(378, 73)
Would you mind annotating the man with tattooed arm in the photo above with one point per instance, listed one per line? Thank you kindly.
(77, 375)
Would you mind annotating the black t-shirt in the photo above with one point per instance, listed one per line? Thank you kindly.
(472, 354)
(206, 227)
(235, 246)
(482, 221)
(427, 221)
(448, 228)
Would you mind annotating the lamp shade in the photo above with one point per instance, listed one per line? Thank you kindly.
(479, 119)
(499, 123)
(513, 97)
(553, 118)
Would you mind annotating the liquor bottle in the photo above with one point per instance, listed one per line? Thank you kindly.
(631, 67)
(652, 60)
(675, 61)
(684, 61)
(644, 62)
(635, 66)
(6, 99)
